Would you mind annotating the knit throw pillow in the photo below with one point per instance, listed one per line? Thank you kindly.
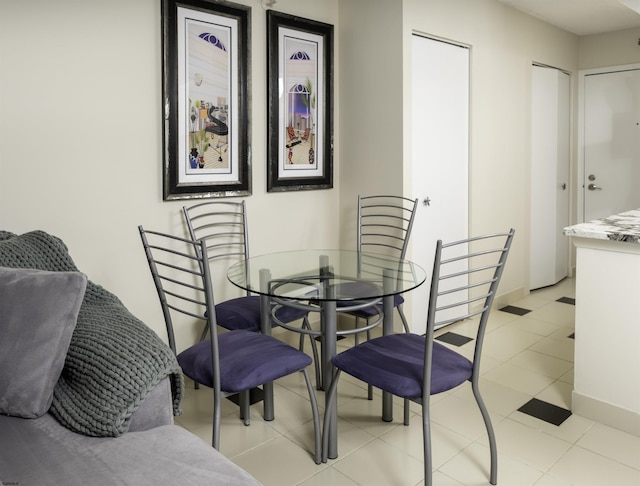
(38, 313)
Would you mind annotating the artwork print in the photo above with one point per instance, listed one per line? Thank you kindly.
(210, 121)
(300, 120)
(301, 91)
(206, 99)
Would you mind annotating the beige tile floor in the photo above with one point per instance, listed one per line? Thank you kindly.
(524, 357)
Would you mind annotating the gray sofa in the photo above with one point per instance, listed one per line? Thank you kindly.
(87, 391)
(41, 451)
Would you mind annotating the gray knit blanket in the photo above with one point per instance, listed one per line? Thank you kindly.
(114, 359)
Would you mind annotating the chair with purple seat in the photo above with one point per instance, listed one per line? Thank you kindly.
(464, 282)
(223, 226)
(230, 362)
(384, 226)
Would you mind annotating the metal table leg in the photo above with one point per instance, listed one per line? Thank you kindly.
(387, 328)
(265, 324)
(329, 327)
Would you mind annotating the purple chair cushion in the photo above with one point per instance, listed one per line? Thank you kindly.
(247, 359)
(364, 291)
(244, 313)
(394, 363)
(371, 311)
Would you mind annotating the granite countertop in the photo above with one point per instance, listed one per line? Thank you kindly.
(619, 227)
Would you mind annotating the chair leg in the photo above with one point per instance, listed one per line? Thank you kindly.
(493, 477)
(316, 418)
(403, 318)
(406, 411)
(330, 399)
(215, 439)
(369, 387)
(245, 406)
(267, 401)
(314, 350)
(426, 439)
(316, 363)
(205, 330)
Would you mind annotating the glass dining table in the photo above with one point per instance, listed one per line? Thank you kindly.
(328, 282)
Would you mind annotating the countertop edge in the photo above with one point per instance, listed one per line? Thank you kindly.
(624, 227)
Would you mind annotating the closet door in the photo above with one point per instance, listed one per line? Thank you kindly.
(440, 154)
(550, 138)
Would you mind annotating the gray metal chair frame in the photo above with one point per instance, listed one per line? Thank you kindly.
(384, 226)
(485, 265)
(223, 226)
(224, 229)
(183, 282)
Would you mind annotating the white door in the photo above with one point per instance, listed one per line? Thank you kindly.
(550, 153)
(440, 154)
(611, 143)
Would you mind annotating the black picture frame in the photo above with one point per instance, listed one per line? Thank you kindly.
(300, 103)
(205, 99)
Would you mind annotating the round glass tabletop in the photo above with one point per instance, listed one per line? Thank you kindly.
(340, 275)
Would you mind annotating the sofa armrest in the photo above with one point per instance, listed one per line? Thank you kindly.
(155, 410)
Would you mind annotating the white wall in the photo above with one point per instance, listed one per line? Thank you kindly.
(610, 49)
(80, 124)
(371, 77)
(80, 139)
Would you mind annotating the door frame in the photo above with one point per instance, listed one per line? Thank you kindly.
(582, 74)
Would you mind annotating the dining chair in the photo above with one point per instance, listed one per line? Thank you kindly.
(384, 226)
(223, 226)
(229, 362)
(464, 282)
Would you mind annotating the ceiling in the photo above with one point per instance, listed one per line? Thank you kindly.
(583, 17)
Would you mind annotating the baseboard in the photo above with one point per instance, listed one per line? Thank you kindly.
(509, 297)
(605, 413)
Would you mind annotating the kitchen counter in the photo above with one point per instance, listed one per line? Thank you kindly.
(607, 325)
(619, 227)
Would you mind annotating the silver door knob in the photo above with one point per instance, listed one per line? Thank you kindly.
(593, 187)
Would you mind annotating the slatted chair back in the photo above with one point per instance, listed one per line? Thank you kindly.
(383, 228)
(385, 224)
(223, 226)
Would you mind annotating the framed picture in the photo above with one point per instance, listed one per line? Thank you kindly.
(205, 99)
(300, 93)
